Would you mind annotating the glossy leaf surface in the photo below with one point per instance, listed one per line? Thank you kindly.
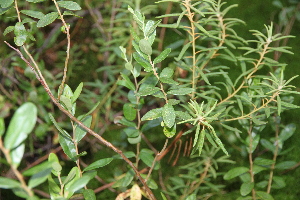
(21, 125)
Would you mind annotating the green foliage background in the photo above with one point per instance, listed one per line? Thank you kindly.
(97, 64)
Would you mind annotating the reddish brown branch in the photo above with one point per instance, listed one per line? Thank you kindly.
(178, 136)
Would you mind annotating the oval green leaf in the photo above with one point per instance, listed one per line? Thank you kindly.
(21, 125)
(144, 63)
(287, 132)
(264, 195)
(152, 114)
(8, 183)
(71, 176)
(246, 188)
(77, 173)
(128, 178)
(17, 154)
(132, 132)
(33, 170)
(32, 13)
(169, 132)
(62, 131)
(54, 189)
(80, 132)
(148, 90)
(168, 114)
(263, 161)
(135, 140)
(8, 29)
(148, 158)
(166, 72)
(77, 92)
(235, 172)
(47, 19)
(98, 163)
(39, 178)
(129, 111)
(267, 144)
(163, 55)
(53, 159)
(6, 3)
(126, 82)
(181, 91)
(70, 5)
(4, 10)
(285, 165)
(81, 182)
(89, 194)
(21, 34)
(68, 147)
(145, 46)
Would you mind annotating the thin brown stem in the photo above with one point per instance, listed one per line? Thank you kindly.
(67, 29)
(156, 75)
(18, 174)
(265, 104)
(155, 160)
(192, 33)
(146, 140)
(91, 132)
(171, 146)
(275, 154)
(250, 157)
(76, 148)
(256, 66)
(222, 36)
(41, 159)
(137, 157)
(194, 186)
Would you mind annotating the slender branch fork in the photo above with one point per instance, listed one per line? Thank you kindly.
(41, 79)
(67, 31)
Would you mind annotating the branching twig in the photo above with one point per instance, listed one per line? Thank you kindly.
(256, 66)
(67, 29)
(155, 159)
(192, 33)
(166, 150)
(265, 104)
(101, 139)
(160, 83)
